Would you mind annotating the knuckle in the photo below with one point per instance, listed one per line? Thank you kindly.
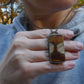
(71, 56)
(77, 42)
(15, 59)
(61, 31)
(64, 67)
(18, 43)
(19, 34)
(17, 56)
(70, 42)
(26, 68)
(44, 33)
(77, 57)
(19, 53)
(47, 68)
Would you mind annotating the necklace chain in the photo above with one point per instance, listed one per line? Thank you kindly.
(59, 26)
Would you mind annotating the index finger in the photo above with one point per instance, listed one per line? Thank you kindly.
(43, 33)
(46, 67)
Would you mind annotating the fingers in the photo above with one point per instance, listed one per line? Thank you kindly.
(42, 44)
(43, 33)
(40, 56)
(66, 33)
(71, 56)
(38, 44)
(73, 46)
(37, 56)
(46, 67)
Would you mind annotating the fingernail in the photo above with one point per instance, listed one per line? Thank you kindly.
(79, 45)
(69, 33)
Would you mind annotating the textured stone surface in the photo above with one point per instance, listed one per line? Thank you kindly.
(56, 49)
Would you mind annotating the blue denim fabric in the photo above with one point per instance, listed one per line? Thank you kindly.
(74, 76)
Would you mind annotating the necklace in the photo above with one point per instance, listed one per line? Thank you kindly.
(56, 48)
(55, 43)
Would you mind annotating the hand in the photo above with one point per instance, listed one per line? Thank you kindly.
(27, 56)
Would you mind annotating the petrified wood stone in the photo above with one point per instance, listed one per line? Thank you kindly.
(56, 48)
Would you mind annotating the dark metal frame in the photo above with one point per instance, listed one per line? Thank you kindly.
(53, 34)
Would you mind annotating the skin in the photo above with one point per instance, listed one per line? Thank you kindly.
(27, 56)
(48, 13)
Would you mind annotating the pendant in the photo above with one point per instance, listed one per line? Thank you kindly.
(56, 48)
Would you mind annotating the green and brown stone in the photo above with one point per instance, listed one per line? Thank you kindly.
(56, 48)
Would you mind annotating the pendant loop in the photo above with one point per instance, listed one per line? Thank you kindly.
(54, 31)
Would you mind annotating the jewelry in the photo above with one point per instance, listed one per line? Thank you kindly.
(56, 48)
